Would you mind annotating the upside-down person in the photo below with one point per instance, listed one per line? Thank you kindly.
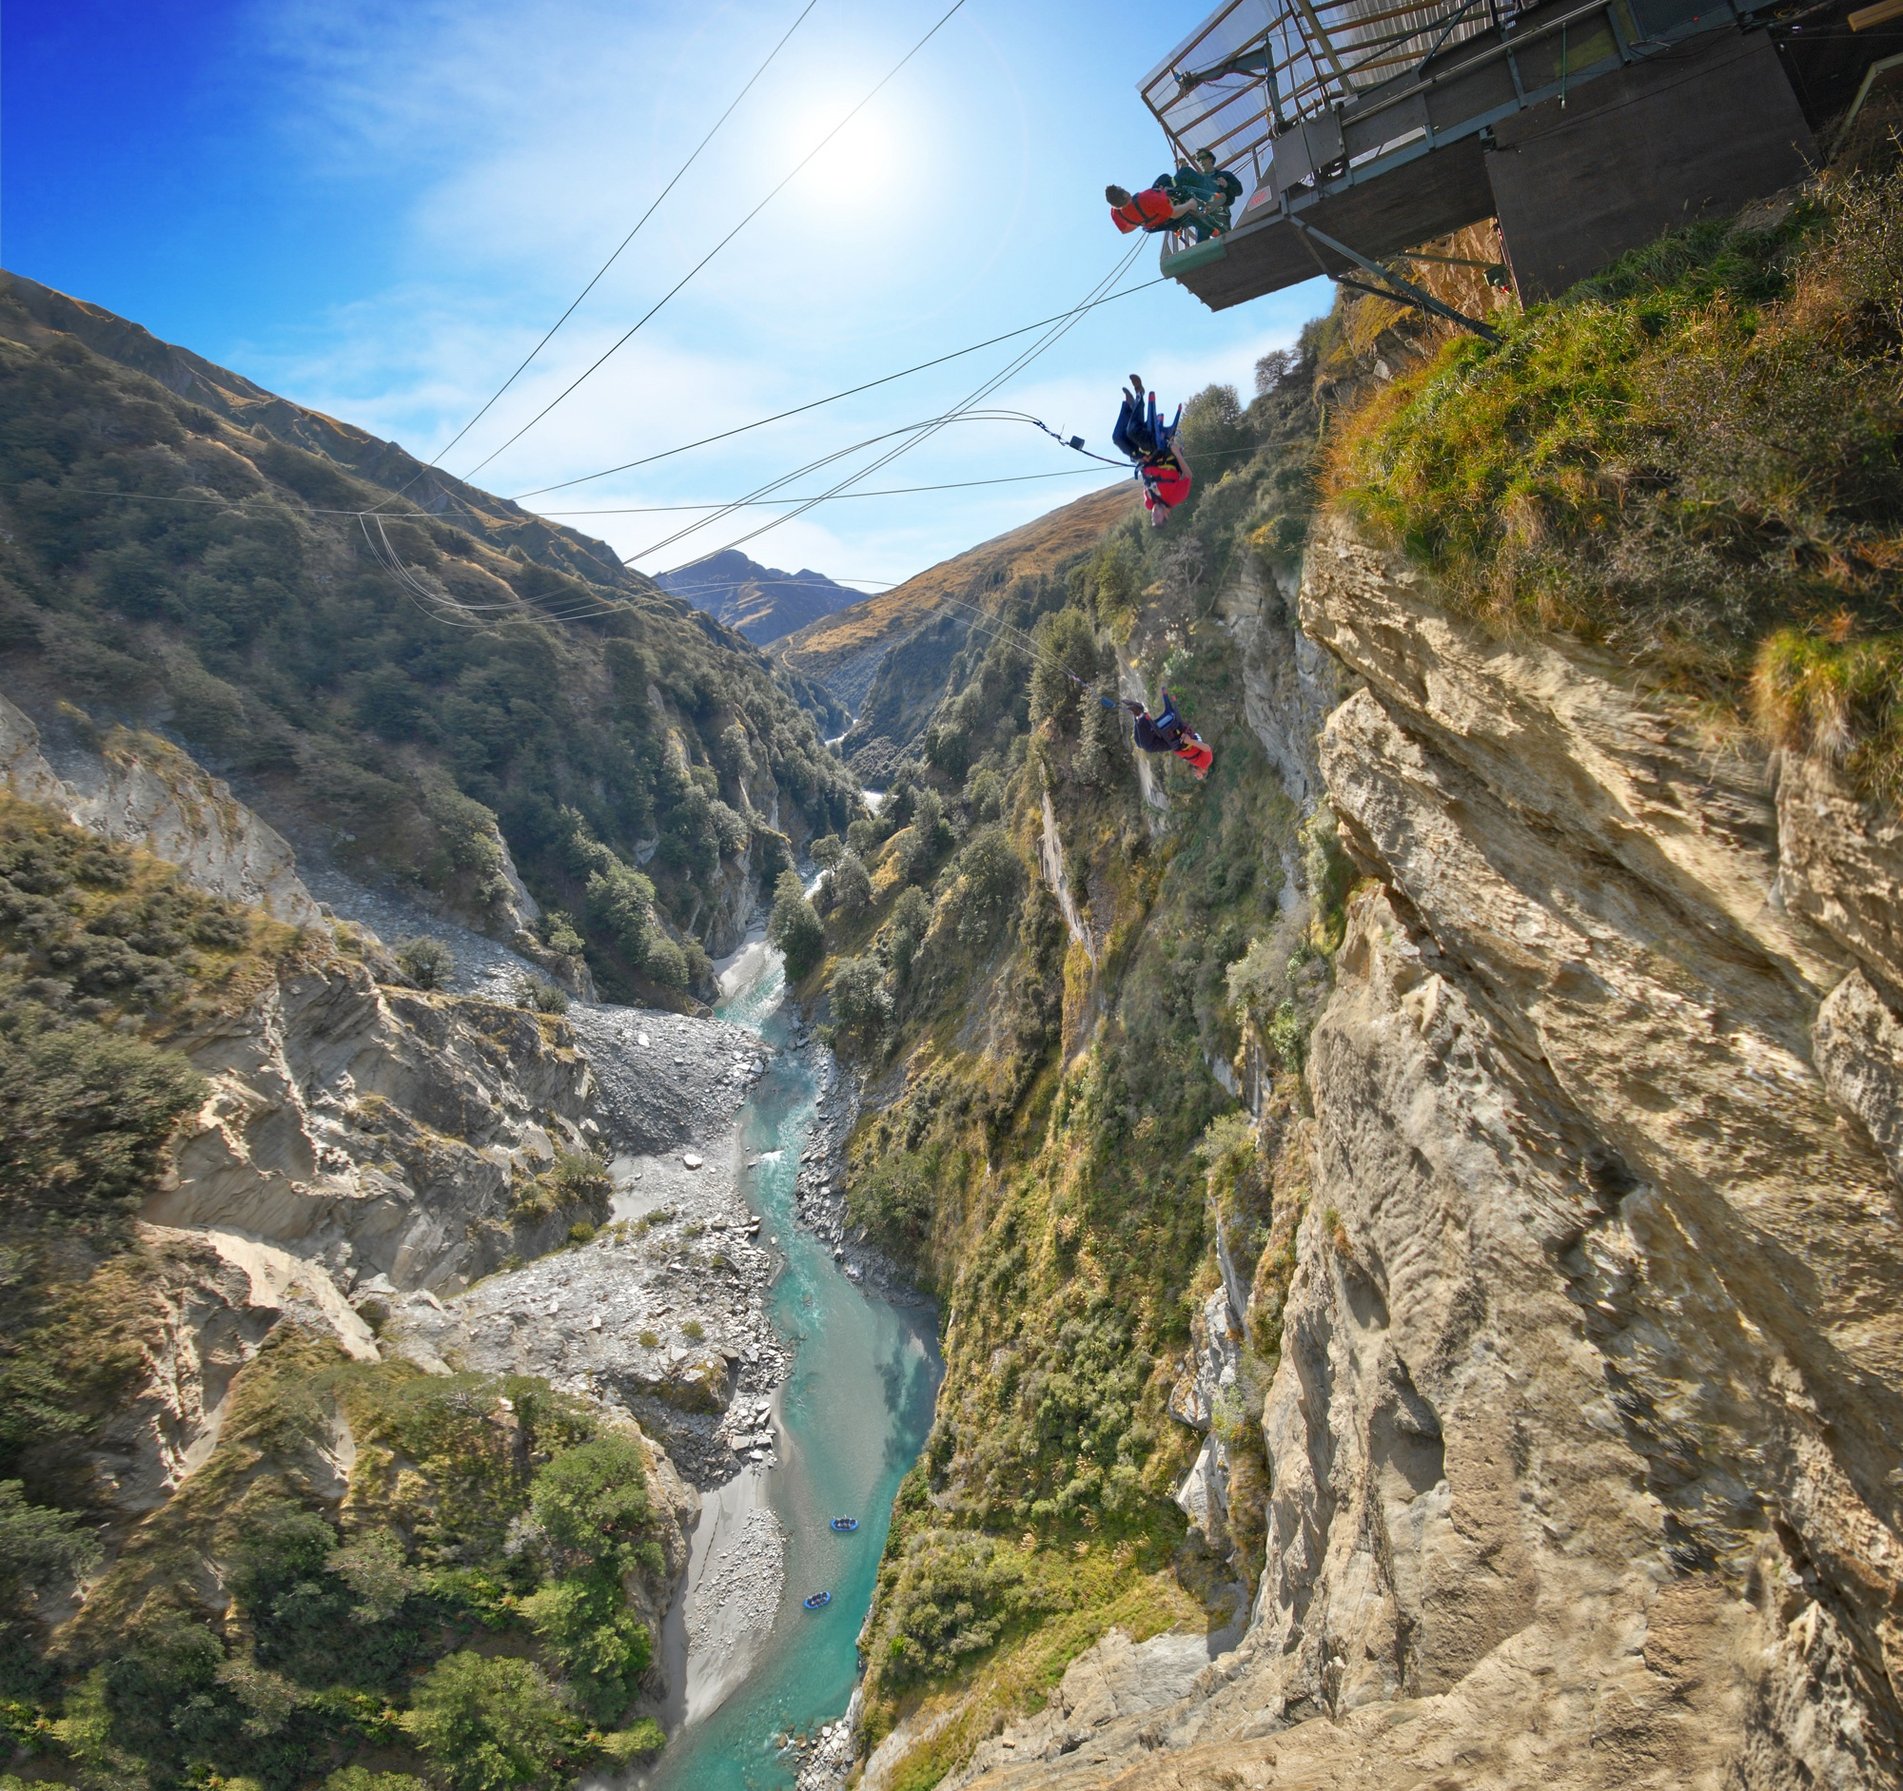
(1142, 437)
(1151, 211)
(1209, 192)
(1167, 732)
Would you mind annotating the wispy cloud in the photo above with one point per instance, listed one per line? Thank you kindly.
(515, 144)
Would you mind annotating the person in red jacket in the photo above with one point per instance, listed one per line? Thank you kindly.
(1168, 732)
(1143, 437)
(1151, 210)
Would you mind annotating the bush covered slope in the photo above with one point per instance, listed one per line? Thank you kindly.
(170, 562)
(368, 1560)
(1694, 457)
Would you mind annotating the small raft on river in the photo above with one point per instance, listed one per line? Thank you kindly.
(818, 1601)
(844, 1524)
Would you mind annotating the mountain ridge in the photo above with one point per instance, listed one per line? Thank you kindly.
(460, 698)
(760, 602)
(887, 657)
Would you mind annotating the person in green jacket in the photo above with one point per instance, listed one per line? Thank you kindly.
(1212, 190)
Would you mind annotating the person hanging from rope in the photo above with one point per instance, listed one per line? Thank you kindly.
(1153, 210)
(1167, 732)
(1143, 437)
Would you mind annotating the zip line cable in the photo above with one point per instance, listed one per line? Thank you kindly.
(1069, 472)
(965, 409)
(164, 497)
(616, 256)
(884, 81)
(227, 503)
(761, 493)
(831, 398)
(1051, 337)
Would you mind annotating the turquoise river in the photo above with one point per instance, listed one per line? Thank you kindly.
(854, 1413)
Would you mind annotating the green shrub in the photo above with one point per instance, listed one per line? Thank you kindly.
(601, 1647)
(428, 963)
(575, 1178)
(489, 1723)
(910, 920)
(540, 996)
(590, 1504)
(989, 886)
(360, 1778)
(795, 928)
(84, 1113)
(952, 1597)
(849, 885)
(39, 1545)
(665, 963)
(1839, 699)
(862, 1004)
(625, 1746)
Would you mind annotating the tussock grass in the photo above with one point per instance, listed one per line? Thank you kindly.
(1695, 458)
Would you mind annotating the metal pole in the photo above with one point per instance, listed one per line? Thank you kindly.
(1402, 291)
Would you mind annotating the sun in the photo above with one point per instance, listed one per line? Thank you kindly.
(868, 164)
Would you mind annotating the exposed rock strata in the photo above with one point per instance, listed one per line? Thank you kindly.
(378, 1130)
(1586, 1427)
(141, 791)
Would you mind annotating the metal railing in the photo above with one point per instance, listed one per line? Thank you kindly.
(1258, 69)
(1291, 94)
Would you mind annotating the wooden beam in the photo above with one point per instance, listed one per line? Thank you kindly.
(1880, 14)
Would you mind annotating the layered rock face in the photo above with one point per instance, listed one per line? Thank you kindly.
(1586, 1429)
(378, 1131)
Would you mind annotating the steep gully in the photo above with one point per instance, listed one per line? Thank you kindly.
(829, 1406)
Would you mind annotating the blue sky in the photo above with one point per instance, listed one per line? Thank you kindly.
(378, 211)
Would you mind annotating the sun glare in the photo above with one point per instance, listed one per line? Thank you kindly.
(868, 163)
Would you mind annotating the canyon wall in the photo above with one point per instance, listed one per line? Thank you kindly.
(1584, 1421)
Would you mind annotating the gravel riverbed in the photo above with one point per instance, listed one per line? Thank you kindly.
(663, 1313)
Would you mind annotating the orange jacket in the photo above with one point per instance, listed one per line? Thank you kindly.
(1147, 210)
(1164, 482)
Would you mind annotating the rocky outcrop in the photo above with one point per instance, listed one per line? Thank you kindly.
(1111, 1683)
(1207, 1392)
(1288, 683)
(1050, 860)
(1586, 1421)
(378, 1130)
(142, 791)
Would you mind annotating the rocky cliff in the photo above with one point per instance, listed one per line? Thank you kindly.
(1584, 1427)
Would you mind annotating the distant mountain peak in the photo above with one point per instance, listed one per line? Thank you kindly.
(761, 602)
